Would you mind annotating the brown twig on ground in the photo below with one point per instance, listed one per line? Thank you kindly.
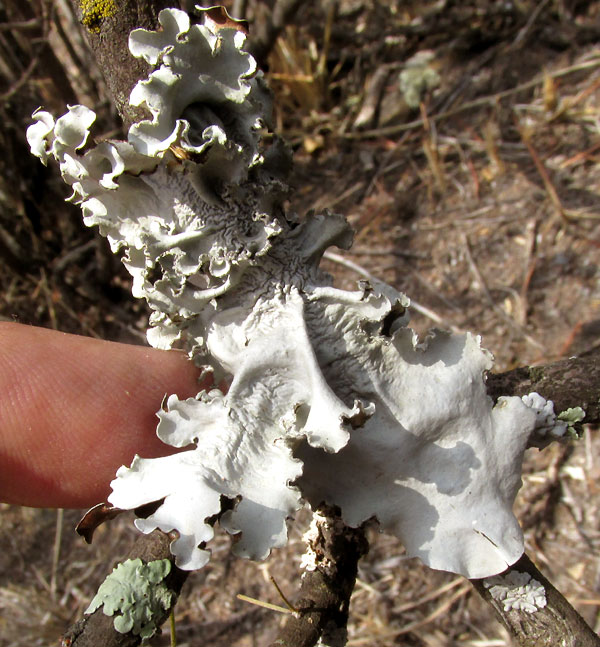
(24, 78)
(544, 497)
(32, 47)
(496, 308)
(33, 23)
(372, 98)
(541, 169)
(530, 264)
(492, 99)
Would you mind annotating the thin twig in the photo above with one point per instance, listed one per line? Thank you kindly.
(569, 103)
(34, 23)
(21, 81)
(579, 157)
(56, 551)
(288, 604)
(483, 286)
(67, 41)
(434, 614)
(417, 624)
(526, 138)
(524, 31)
(530, 263)
(400, 253)
(429, 597)
(476, 103)
(172, 632)
(261, 603)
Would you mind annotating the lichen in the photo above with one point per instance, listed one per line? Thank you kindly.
(94, 12)
(418, 77)
(547, 426)
(536, 374)
(331, 396)
(517, 591)
(572, 416)
(136, 595)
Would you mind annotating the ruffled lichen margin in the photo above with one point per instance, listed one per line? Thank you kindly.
(330, 396)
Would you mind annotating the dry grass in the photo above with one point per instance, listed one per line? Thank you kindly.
(483, 206)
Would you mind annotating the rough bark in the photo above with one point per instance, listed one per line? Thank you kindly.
(568, 383)
(324, 598)
(108, 24)
(556, 624)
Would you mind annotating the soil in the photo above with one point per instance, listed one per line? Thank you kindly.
(481, 202)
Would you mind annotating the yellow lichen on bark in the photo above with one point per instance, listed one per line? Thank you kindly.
(95, 11)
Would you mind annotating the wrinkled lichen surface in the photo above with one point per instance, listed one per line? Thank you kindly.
(331, 397)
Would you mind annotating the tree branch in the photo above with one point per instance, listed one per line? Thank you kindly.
(555, 624)
(98, 629)
(324, 598)
(325, 592)
(568, 383)
(108, 25)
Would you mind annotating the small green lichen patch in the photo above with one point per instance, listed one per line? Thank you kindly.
(135, 594)
(418, 77)
(572, 417)
(536, 374)
(95, 11)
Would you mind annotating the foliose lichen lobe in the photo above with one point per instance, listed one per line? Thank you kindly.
(135, 595)
(331, 397)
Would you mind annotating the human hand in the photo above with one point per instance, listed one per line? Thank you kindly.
(74, 409)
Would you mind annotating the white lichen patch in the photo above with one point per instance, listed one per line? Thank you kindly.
(517, 591)
(331, 397)
(313, 557)
(547, 426)
(310, 537)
